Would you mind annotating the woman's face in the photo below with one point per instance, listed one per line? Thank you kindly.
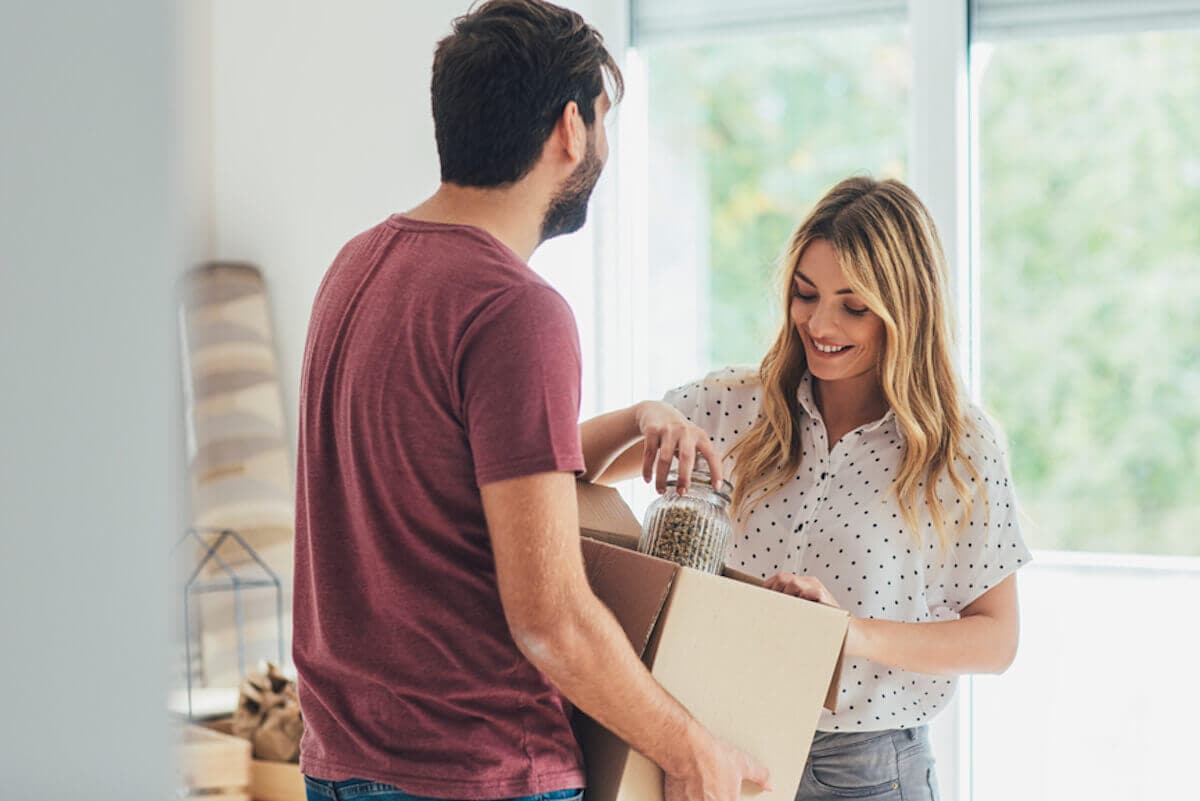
(842, 337)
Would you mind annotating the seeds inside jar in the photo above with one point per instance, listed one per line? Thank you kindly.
(684, 538)
(691, 528)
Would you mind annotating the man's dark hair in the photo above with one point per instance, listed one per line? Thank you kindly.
(501, 81)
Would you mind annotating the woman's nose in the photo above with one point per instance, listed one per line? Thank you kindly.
(820, 323)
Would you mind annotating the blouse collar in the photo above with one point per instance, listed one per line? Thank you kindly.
(804, 393)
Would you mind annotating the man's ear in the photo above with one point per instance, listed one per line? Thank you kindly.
(570, 133)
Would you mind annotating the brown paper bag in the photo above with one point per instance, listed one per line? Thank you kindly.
(268, 715)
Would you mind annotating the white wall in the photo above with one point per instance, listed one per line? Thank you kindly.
(194, 108)
(321, 127)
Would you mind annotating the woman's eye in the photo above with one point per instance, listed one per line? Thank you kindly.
(803, 297)
(856, 312)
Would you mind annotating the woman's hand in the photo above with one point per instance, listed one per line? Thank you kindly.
(811, 589)
(668, 433)
(806, 587)
(983, 639)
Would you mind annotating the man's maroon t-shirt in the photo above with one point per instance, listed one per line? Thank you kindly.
(436, 362)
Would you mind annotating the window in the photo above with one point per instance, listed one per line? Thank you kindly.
(1090, 282)
(1082, 162)
(1089, 268)
(744, 135)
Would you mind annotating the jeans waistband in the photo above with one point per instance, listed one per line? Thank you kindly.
(826, 741)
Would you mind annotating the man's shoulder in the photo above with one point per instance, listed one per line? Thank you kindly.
(458, 263)
(468, 244)
(531, 307)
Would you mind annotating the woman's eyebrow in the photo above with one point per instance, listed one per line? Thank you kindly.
(808, 281)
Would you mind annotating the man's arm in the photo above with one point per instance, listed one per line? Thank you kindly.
(567, 633)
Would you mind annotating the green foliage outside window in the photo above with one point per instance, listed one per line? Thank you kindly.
(781, 121)
(1090, 239)
(1090, 207)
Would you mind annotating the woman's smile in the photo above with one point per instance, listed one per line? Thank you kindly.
(826, 350)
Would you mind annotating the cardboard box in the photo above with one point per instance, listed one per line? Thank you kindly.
(266, 780)
(276, 781)
(212, 765)
(604, 516)
(754, 666)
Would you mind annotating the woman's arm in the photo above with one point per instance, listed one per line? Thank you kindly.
(983, 640)
(604, 439)
(650, 434)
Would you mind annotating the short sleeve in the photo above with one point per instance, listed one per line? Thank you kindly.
(991, 546)
(724, 404)
(689, 400)
(518, 371)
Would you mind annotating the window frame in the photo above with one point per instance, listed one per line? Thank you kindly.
(943, 121)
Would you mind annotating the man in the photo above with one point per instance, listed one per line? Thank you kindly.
(441, 608)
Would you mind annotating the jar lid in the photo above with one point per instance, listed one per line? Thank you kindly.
(700, 475)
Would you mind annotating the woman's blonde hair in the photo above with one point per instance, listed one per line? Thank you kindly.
(889, 251)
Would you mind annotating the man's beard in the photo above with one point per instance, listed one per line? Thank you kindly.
(568, 208)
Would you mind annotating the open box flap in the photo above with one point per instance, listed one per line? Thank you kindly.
(831, 696)
(604, 516)
(633, 586)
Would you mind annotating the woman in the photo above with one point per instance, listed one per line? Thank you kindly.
(863, 479)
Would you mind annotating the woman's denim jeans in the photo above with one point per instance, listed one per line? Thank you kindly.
(895, 765)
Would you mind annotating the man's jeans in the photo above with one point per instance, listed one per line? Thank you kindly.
(321, 790)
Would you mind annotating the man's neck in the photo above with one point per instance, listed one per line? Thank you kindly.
(512, 215)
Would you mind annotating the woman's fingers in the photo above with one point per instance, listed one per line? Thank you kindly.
(709, 452)
(666, 454)
(806, 587)
(657, 456)
(666, 440)
(649, 453)
(802, 589)
(786, 583)
(814, 590)
(687, 459)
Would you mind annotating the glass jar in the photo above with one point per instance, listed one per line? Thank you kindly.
(692, 529)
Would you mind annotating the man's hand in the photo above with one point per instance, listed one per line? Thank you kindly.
(716, 774)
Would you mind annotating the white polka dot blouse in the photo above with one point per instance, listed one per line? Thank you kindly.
(837, 519)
